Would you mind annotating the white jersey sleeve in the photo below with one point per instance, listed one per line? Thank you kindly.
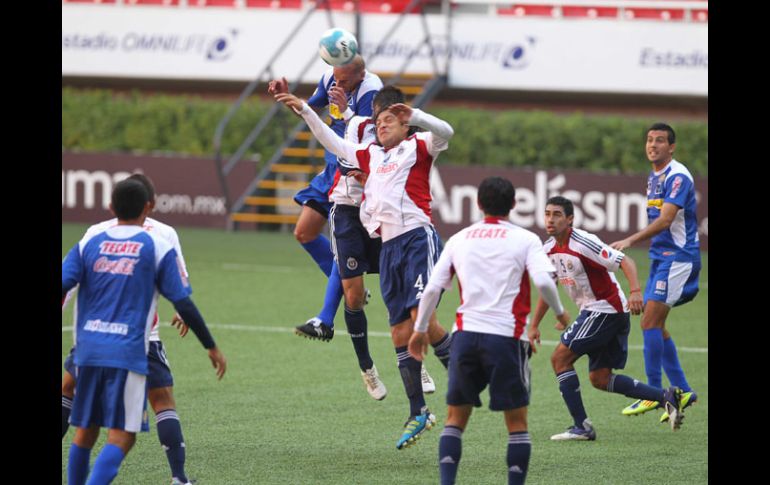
(537, 260)
(594, 249)
(439, 131)
(443, 271)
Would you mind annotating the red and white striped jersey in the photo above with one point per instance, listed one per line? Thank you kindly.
(165, 231)
(584, 266)
(492, 259)
(346, 190)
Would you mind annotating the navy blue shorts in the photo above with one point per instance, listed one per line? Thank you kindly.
(603, 336)
(355, 251)
(406, 263)
(477, 359)
(672, 282)
(316, 195)
(159, 371)
(110, 398)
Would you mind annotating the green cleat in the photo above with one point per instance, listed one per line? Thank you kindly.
(687, 399)
(640, 406)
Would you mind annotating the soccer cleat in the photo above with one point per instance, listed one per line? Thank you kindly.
(176, 481)
(640, 406)
(428, 386)
(374, 386)
(674, 407)
(414, 427)
(687, 399)
(315, 329)
(577, 433)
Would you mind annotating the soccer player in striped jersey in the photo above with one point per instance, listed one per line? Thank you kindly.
(397, 206)
(120, 272)
(493, 260)
(675, 261)
(584, 266)
(160, 381)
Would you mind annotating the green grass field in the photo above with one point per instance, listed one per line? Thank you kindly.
(295, 411)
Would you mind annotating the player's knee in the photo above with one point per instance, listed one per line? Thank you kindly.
(68, 385)
(559, 362)
(599, 381)
(161, 398)
(354, 299)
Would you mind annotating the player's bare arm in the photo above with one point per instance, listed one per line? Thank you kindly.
(635, 302)
(663, 222)
(177, 322)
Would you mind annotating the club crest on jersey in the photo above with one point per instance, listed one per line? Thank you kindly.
(352, 264)
(675, 186)
(400, 150)
(569, 265)
(660, 285)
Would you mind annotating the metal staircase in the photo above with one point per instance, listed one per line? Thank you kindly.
(268, 200)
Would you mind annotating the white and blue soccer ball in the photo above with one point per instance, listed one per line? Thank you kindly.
(337, 47)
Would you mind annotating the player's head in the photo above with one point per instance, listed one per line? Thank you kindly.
(559, 214)
(145, 180)
(349, 76)
(389, 128)
(496, 196)
(661, 141)
(385, 97)
(130, 200)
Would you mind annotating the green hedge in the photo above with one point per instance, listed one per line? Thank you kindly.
(100, 120)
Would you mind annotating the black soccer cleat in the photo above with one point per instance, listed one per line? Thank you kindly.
(315, 329)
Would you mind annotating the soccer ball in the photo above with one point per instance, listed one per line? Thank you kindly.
(337, 47)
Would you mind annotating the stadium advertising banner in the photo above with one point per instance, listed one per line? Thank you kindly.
(488, 52)
(612, 206)
(188, 192)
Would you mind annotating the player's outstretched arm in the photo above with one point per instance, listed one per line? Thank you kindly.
(635, 302)
(192, 317)
(663, 222)
(427, 121)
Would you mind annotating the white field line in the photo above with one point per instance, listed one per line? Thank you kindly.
(255, 328)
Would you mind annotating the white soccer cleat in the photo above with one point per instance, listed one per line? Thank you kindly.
(374, 386)
(428, 386)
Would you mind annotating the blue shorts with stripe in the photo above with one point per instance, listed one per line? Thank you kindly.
(603, 336)
(480, 359)
(406, 263)
(355, 251)
(316, 195)
(672, 282)
(110, 398)
(159, 374)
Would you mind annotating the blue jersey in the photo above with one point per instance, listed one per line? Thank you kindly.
(674, 185)
(120, 271)
(359, 100)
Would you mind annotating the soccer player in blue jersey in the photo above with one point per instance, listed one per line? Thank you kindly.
(120, 272)
(160, 380)
(348, 91)
(675, 261)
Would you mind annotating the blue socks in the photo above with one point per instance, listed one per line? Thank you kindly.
(333, 296)
(569, 385)
(519, 451)
(410, 375)
(355, 320)
(77, 466)
(106, 465)
(450, 449)
(172, 441)
(320, 250)
(672, 367)
(441, 349)
(653, 355)
(66, 409)
(627, 386)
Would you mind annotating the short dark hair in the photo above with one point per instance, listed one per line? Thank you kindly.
(128, 199)
(496, 196)
(663, 127)
(385, 97)
(562, 202)
(145, 180)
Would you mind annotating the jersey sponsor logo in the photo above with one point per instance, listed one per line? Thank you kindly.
(352, 264)
(123, 248)
(390, 167)
(675, 186)
(566, 281)
(658, 203)
(124, 266)
(486, 233)
(606, 254)
(105, 327)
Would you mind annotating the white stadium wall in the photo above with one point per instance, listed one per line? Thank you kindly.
(488, 52)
